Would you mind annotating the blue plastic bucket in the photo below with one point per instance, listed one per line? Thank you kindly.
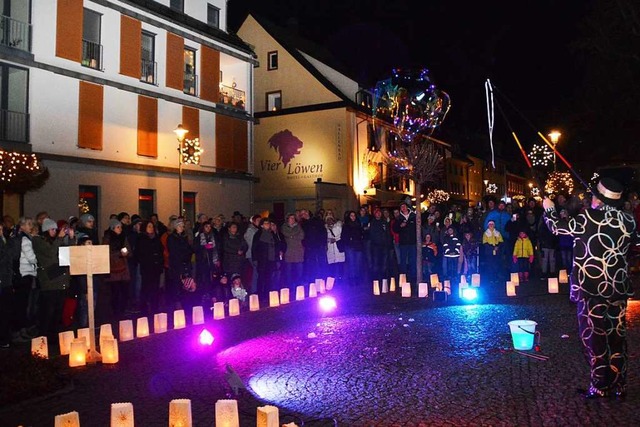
(523, 333)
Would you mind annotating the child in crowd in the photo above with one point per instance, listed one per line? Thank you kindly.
(522, 256)
(492, 242)
(237, 288)
(451, 250)
(429, 256)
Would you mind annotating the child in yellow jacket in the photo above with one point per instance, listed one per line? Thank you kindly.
(522, 256)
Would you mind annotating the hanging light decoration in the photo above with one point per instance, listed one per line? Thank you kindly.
(535, 191)
(21, 172)
(83, 206)
(191, 151)
(492, 188)
(559, 182)
(541, 155)
(437, 196)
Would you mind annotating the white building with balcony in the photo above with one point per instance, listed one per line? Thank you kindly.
(95, 89)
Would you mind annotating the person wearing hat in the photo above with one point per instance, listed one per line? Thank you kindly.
(492, 242)
(119, 278)
(600, 283)
(405, 226)
(87, 225)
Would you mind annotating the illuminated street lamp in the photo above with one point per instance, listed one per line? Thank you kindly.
(180, 132)
(554, 136)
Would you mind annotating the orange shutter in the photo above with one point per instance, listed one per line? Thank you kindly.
(191, 122)
(69, 20)
(130, 46)
(175, 62)
(240, 151)
(147, 126)
(210, 74)
(231, 143)
(90, 116)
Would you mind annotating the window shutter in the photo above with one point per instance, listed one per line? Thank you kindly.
(147, 126)
(90, 116)
(130, 47)
(191, 122)
(210, 74)
(175, 62)
(69, 20)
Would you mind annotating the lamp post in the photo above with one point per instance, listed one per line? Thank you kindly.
(554, 136)
(180, 132)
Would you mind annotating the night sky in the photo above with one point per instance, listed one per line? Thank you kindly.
(527, 49)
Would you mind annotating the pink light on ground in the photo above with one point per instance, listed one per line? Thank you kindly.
(206, 338)
(327, 303)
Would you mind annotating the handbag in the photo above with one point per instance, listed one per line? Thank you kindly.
(188, 284)
(340, 244)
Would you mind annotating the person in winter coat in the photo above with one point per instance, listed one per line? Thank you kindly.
(26, 290)
(9, 252)
(281, 249)
(335, 257)
(491, 242)
(451, 247)
(469, 253)
(149, 252)
(522, 256)
(600, 283)
(353, 238)
(405, 226)
(207, 261)
(548, 244)
(315, 249)
(565, 245)
(294, 256)
(234, 249)
(119, 277)
(180, 252)
(429, 257)
(381, 243)
(265, 253)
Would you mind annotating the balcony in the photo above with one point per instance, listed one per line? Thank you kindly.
(14, 126)
(148, 72)
(15, 34)
(190, 84)
(232, 96)
(91, 55)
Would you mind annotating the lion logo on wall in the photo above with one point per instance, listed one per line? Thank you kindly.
(286, 145)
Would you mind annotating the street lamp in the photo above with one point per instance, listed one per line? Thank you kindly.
(180, 132)
(554, 136)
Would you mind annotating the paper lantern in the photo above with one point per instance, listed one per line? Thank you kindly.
(385, 286)
(160, 323)
(392, 286)
(330, 282)
(180, 413)
(227, 413)
(475, 280)
(434, 280)
(290, 425)
(284, 296)
(463, 279)
(274, 299)
(122, 415)
(39, 347)
(423, 290)
(78, 353)
(109, 350)
(447, 287)
(376, 287)
(84, 333)
(103, 338)
(65, 338)
(321, 287)
(515, 279)
(106, 331)
(403, 279)
(553, 285)
(125, 330)
(462, 287)
(406, 290)
(197, 315)
(179, 321)
(313, 292)
(563, 276)
(218, 310)
(234, 307)
(299, 293)
(142, 327)
(511, 289)
(254, 302)
(71, 419)
(268, 416)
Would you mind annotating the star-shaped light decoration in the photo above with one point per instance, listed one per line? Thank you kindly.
(492, 188)
(535, 191)
(540, 155)
(191, 151)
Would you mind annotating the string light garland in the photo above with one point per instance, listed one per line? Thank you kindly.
(83, 206)
(437, 196)
(541, 155)
(559, 182)
(191, 151)
(21, 172)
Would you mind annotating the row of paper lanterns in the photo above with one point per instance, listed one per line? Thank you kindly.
(77, 347)
(423, 288)
(552, 283)
(226, 414)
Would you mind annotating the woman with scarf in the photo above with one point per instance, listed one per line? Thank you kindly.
(118, 279)
(149, 251)
(264, 252)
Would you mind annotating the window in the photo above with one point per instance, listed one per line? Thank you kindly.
(146, 202)
(91, 47)
(14, 95)
(15, 31)
(274, 101)
(213, 16)
(177, 5)
(189, 205)
(190, 77)
(88, 201)
(149, 67)
(272, 60)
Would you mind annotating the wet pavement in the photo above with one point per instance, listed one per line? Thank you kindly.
(376, 361)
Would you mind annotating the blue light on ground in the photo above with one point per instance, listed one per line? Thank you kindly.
(470, 294)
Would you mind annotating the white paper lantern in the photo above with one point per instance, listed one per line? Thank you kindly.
(39, 347)
(179, 320)
(78, 353)
(274, 299)
(125, 329)
(142, 327)
(65, 338)
(284, 296)
(254, 302)
(330, 282)
(313, 292)
(406, 290)
(218, 310)
(511, 289)
(84, 334)
(109, 351)
(71, 419)
(227, 413)
(385, 286)
(553, 285)
(392, 286)
(403, 279)
(423, 290)
(563, 277)
(122, 415)
(160, 323)
(180, 413)
(434, 280)
(475, 280)
(106, 331)
(197, 315)
(299, 293)
(515, 279)
(234, 307)
(447, 287)
(376, 287)
(268, 416)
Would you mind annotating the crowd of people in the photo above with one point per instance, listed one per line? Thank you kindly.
(156, 267)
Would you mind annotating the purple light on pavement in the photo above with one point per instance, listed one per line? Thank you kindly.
(206, 338)
(327, 303)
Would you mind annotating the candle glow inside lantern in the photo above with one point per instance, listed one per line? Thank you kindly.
(313, 292)
(392, 286)
(423, 290)
(84, 334)
(142, 327)
(65, 338)
(511, 289)
(179, 320)
(78, 353)
(553, 285)
(160, 323)
(268, 416)
(385, 286)
(475, 280)
(515, 279)
(109, 351)
(447, 287)
(320, 286)
(274, 299)
(197, 315)
(376, 287)
(434, 280)
(406, 290)
(40, 347)
(403, 279)
(180, 413)
(322, 289)
(254, 302)
(234, 307)
(106, 331)
(463, 279)
(125, 329)
(71, 419)
(330, 282)
(462, 287)
(284, 296)
(563, 276)
(218, 310)
(227, 413)
(122, 414)
(299, 293)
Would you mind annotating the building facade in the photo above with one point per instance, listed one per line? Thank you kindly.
(96, 89)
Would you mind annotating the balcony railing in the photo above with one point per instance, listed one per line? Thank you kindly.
(14, 126)
(148, 71)
(15, 34)
(91, 55)
(232, 96)
(190, 84)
